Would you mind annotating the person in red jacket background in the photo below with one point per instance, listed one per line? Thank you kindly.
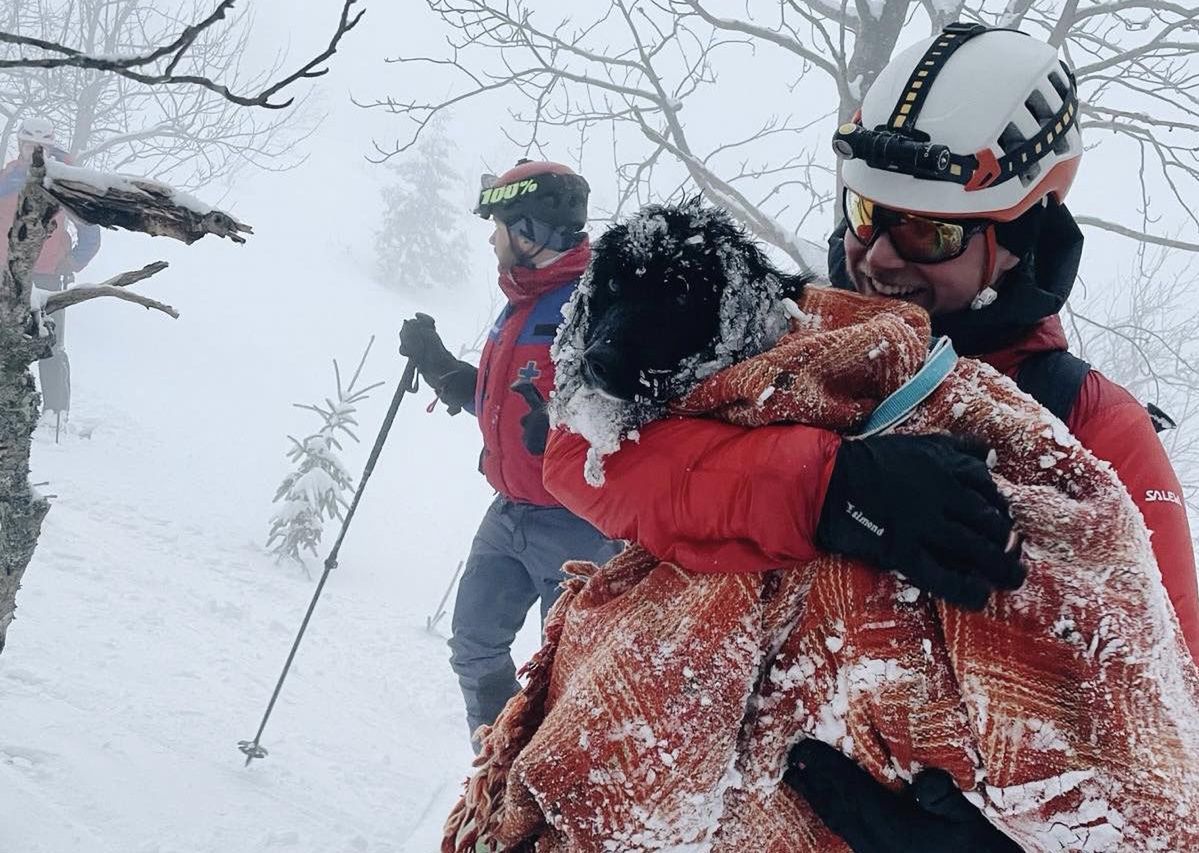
(954, 180)
(60, 258)
(539, 210)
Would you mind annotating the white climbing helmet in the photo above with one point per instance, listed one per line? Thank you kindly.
(37, 130)
(975, 122)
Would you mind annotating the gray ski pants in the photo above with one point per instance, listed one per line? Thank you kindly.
(516, 558)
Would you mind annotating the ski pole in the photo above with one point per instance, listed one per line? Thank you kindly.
(252, 748)
(431, 621)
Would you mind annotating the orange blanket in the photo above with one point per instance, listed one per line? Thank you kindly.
(660, 710)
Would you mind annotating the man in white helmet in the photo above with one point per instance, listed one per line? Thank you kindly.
(955, 174)
(955, 178)
(61, 257)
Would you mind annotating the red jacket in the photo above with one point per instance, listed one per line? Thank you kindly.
(518, 347)
(718, 497)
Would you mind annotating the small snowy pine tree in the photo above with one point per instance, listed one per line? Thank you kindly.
(315, 491)
(420, 243)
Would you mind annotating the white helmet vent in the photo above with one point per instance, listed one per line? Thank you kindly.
(1010, 140)
(1059, 85)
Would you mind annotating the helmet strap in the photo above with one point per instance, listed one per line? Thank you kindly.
(992, 255)
(526, 230)
(986, 293)
(542, 235)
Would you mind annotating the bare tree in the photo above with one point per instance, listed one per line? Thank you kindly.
(116, 201)
(647, 66)
(624, 71)
(141, 86)
(26, 334)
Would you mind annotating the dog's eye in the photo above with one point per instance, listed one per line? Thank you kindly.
(613, 287)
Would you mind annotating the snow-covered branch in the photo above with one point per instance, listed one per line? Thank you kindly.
(94, 197)
(116, 201)
(138, 204)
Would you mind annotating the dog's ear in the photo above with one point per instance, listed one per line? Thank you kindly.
(607, 251)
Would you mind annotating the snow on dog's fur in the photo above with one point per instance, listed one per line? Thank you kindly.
(678, 293)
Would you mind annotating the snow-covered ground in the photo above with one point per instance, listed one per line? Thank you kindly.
(152, 625)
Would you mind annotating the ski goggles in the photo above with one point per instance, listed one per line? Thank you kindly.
(916, 239)
(483, 204)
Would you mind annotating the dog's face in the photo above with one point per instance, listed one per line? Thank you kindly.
(673, 295)
(649, 311)
(658, 291)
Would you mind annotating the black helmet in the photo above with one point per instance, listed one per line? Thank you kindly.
(549, 193)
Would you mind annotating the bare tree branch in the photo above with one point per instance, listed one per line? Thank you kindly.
(68, 57)
(186, 135)
(1142, 236)
(737, 204)
(133, 276)
(78, 59)
(765, 34)
(75, 295)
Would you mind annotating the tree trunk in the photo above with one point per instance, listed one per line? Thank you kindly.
(130, 203)
(21, 508)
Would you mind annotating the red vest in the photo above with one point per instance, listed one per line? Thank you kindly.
(518, 347)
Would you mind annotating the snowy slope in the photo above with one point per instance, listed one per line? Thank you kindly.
(152, 625)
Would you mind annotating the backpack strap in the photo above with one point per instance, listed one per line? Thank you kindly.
(1053, 378)
(1161, 421)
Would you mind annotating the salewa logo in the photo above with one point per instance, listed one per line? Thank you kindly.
(1160, 496)
(857, 516)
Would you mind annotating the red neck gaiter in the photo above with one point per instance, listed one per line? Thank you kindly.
(523, 284)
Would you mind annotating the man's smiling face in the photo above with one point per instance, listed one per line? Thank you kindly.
(942, 288)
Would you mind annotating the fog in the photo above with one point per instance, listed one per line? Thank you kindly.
(152, 622)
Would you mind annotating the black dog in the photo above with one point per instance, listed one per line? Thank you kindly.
(674, 294)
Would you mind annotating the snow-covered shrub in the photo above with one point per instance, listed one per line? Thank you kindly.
(316, 491)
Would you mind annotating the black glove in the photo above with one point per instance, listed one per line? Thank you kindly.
(452, 379)
(534, 425)
(929, 816)
(926, 506)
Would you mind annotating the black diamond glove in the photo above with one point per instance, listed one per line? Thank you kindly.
(925, 506)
